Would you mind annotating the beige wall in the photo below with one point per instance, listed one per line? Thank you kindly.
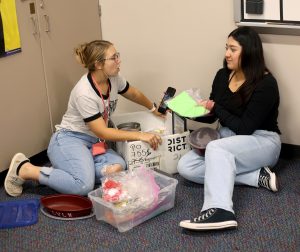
(181, 44)
(282, 56)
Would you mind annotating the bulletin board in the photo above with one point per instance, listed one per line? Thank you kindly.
(282, 11)
(278, 15)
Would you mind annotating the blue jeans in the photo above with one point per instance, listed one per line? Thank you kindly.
(74, 169)
(233, 159)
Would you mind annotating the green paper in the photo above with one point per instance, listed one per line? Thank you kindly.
(184, 105)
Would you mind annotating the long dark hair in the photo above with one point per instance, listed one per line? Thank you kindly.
(252, 58)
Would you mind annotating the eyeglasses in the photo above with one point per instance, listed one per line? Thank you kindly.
(115, 57)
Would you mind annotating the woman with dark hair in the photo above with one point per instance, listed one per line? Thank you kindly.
(245, 100)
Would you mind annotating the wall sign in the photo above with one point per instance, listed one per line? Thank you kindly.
(9, 31)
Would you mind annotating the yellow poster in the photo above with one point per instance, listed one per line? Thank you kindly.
(9, 32)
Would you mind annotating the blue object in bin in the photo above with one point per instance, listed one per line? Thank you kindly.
(19, 213)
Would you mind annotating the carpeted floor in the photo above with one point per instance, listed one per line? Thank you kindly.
(266, 222)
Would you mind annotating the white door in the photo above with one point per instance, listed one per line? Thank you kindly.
(64, 25)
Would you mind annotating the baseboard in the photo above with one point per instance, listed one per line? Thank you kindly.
(38, 159)
(288, 151)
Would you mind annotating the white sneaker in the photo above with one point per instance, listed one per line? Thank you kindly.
(13, 183)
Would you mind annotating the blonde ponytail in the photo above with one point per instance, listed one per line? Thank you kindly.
(88, 53)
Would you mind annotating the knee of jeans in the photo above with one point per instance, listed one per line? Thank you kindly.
(82, 188)
(211, 145)
(225, 132)
(122, 164)
(180, 167)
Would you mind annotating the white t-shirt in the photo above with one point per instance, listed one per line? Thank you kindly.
(85, 103)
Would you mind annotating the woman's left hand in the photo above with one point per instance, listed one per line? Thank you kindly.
(207, 104)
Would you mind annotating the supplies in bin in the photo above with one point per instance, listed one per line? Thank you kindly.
(130, 215)
(162, 131)
(131, 191)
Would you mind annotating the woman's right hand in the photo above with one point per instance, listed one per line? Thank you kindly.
(152, 139)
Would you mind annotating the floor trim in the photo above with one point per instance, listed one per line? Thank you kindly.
(288, 151)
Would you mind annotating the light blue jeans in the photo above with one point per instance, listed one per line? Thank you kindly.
(232, 159)
(74, 169)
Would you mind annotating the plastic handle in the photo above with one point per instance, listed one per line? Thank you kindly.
(34, 25)
(47, 26)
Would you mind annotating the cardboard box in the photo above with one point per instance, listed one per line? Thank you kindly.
(138, 153)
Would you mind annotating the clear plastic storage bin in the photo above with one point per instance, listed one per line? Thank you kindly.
(107, 212)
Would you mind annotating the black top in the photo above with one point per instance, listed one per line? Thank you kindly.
(259, 113)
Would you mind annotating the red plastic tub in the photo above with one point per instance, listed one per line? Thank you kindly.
(67, 205)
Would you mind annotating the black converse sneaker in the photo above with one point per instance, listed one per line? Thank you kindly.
(267, 179)
(213, 218)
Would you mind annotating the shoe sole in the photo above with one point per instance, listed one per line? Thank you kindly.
(275, 185)
(19, 157)
(209, 226)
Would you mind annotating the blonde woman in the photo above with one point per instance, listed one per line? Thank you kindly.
(77, 151)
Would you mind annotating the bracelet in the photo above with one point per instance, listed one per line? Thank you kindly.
(153, 108)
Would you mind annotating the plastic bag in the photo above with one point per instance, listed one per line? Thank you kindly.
(195, 94)
(131, 191)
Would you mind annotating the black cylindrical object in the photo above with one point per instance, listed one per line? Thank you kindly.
(254, 6)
